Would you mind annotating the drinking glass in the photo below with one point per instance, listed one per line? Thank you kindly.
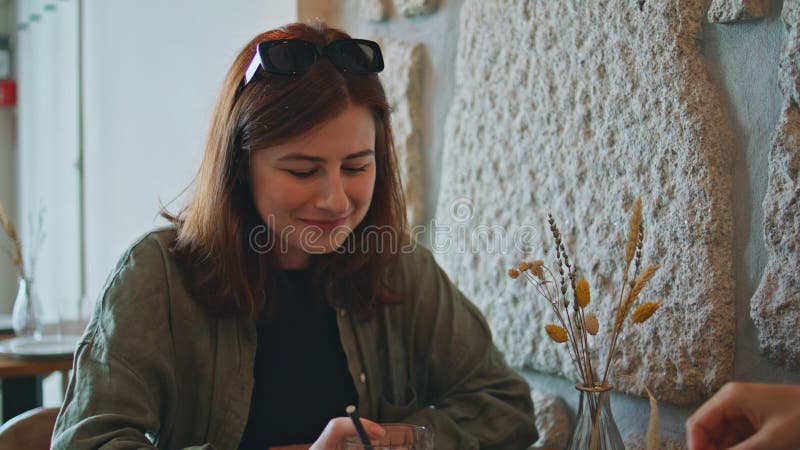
(399, 436)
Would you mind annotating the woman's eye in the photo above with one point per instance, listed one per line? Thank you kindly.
(301, 173)
(355, 169)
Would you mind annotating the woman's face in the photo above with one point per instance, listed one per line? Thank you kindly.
(313, 190)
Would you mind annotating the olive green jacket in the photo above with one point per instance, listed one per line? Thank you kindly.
(155, 369)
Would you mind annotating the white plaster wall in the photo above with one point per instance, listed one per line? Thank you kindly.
(755, 104)
(152, 71)
(48, 176)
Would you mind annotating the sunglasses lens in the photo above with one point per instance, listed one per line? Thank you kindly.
(357, 57)
(291, 56)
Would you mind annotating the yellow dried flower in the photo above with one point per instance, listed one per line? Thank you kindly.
(622, 311)
(11, 232)
(630, 296)
(556, 333)
(582, 296)
(642, 280)
(513, 273)
(592, 324)
(523, 266)
(633, 231)
(536, 268)
(8, 227)
(644, 311)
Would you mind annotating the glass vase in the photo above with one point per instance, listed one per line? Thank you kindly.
(595, 428)
(26, 318)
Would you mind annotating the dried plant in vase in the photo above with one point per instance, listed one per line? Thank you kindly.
(15, 253)
(26, 317)
(569, 297)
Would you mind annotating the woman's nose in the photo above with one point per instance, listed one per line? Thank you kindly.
(332, 196)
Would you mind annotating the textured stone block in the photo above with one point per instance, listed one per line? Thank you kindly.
(775, 306)
(575, 108)
(402, 79)
(373, 10)
(727, 11)
(415, 7)
(552, 420)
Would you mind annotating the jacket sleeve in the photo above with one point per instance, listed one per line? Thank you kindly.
(123, 384)
(477, 400)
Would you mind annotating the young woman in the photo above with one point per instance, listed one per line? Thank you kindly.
(288, 289)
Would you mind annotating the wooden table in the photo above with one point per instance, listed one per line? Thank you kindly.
(22, 382)
(21, 379)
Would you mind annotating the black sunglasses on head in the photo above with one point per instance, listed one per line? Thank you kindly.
(293, 56)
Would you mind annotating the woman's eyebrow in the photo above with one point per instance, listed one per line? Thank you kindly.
(302, 157)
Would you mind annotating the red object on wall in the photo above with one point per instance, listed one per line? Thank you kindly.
(8, 92)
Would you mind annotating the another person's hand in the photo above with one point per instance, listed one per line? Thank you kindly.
(747, 416)
(342, 427)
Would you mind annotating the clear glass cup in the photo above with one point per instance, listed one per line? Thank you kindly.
(399, 436)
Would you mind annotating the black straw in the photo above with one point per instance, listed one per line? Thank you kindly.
(351, 411)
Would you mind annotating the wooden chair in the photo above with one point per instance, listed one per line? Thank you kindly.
(30, 430)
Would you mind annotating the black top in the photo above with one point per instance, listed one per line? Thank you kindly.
(301, 375)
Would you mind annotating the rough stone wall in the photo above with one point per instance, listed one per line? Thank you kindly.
(373, 10)
(415, 7)
(402, 80)
(775, 307)
(575, 108)
(727, 11)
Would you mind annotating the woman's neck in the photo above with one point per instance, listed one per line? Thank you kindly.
(291, 260)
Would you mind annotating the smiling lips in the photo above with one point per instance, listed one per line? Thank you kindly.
(326, 225)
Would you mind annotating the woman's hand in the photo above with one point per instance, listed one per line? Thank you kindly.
(752, 415)
(342, 427)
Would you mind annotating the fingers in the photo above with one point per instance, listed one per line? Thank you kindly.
(712, 413)
(761, 440)
(340, 428)
(709, 425)
(778, 433)
(747, 416)
(698, 437)
(374, 431)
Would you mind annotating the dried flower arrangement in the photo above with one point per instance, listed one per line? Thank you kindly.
(15, 254)
(576, 324)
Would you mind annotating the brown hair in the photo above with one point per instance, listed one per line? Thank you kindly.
(213, 243)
